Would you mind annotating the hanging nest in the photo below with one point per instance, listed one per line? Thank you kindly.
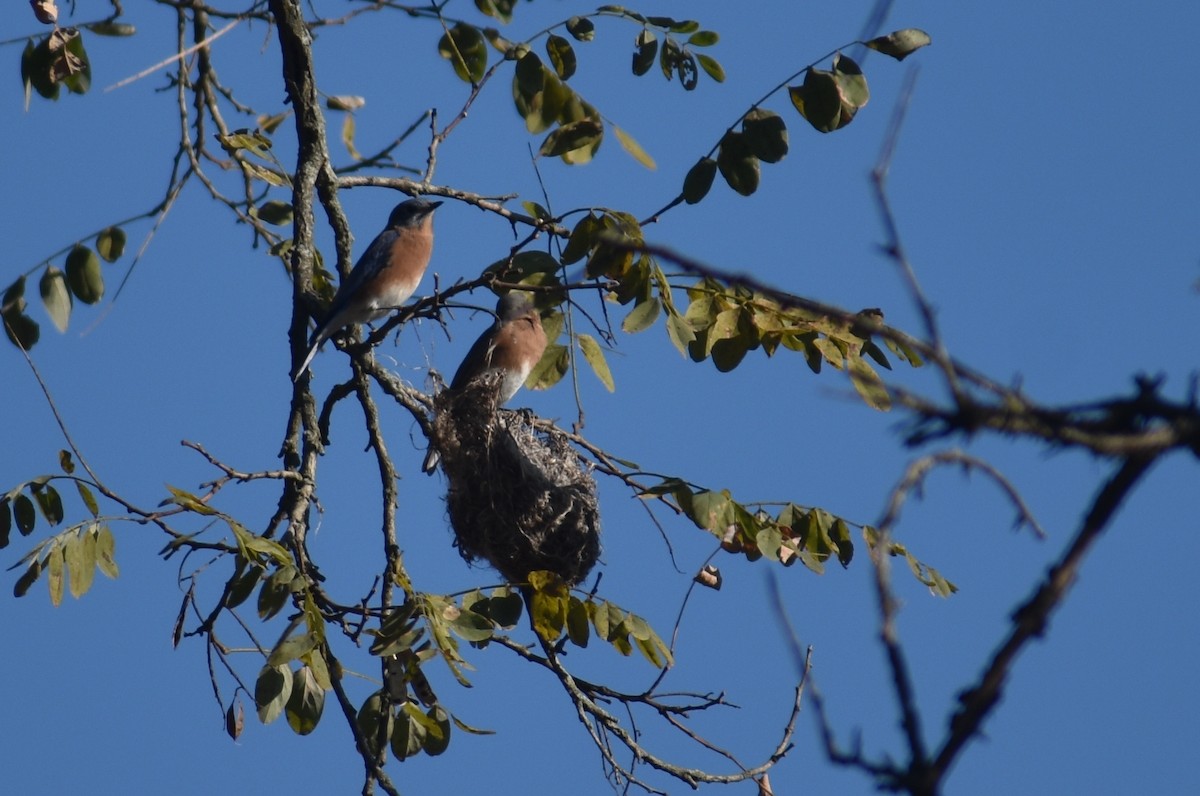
(518, 496)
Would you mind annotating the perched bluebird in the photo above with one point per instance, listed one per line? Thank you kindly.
(384, 277)
(511, 346)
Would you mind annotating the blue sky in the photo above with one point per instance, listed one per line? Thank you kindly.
(1046, 184)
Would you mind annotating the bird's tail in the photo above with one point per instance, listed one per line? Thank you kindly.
(318, 338)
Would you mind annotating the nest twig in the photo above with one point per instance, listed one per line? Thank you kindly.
(518, 497)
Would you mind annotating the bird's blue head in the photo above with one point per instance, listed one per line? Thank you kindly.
(513, 305)
(411, 213)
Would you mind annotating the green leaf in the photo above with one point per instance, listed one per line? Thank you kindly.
(306, 702)
(818, 100)
(83, 275)
(5, 523)
(583, 237)
(14, 297)
(37, 71)
(577, 622)
(235, 719)
(685, 67)
(241, 585)
(642, 316)
(498, 9)
(49, 502)
(645, 47)
(272, 691)
(668, 57)
(699, 180)
(275, 212)
(28, 578)
(618, 631)
(598, 613)
(56, 297)
(505, 607)
(462, 725)
(529, 78)
(471, 626)
(539, 213)
(106, 551)
(437, 732)
(253, 141)
(594, 355)
(712, 67)
(21, 330)
(110, 243)
(89, 500)
(275, 592)
(581, 28)
(869, 385)
(840, 535)
(290, 648)
(466, 49)
(852, 83)
(186, 500)
(904, 352)
(766, 135)
(252, 546)
(830, 100)
(572, 136)
(550, 368)
(634, 148)
(374, 721)
(26, 515)
(109, 28)
(408, 734)
(728, 354)
(900, 44)
(704, 38)
(548, 604)
(737, 163)
(648, 642)
(316, 663)
(27, 58)
(680, 331)
(562, 56)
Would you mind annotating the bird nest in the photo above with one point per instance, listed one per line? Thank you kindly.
(518, 496)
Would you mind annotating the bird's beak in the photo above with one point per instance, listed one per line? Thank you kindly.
(434, 206)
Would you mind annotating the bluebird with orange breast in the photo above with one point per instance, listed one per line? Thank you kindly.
(511, 347)
(384, 277)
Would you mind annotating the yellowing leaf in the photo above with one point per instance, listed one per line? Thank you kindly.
(348, 136)
(54, 565)
(594, 355)
(56, 297)
(110, 243)
(634, 149)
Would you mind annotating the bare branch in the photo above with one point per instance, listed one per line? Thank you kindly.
(1030, 621)
(914, 478)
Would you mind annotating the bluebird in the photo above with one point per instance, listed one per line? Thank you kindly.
(511, 346)
(384, 277)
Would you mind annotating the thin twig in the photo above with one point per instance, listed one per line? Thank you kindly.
(176, 57)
